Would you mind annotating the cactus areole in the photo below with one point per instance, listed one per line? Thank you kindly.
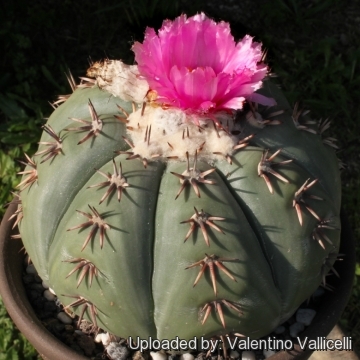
(182, 196)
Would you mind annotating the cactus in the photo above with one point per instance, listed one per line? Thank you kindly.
(204, 225)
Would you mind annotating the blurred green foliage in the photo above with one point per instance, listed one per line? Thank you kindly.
(13, 345)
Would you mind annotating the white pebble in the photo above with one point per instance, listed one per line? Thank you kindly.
(45, 285)
(305, 316)
(49, 296)
(115, 351)
(187, 356)
(103, 338)
(158, 355)
(106, 339)
(30, 269)
(234, 354)
(248, 355)
(296, 328)
(318, 292)
(268, 353)
(64, 318)
(52, 291)
(279, 330)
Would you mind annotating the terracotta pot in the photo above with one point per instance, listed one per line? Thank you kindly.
(13, 293)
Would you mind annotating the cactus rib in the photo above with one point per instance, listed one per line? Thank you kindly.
(93, 127)
(31, 174)
(212, 261)
(216, 304)
(200, 218)
(192, 176)
(318, 233)
(86, 266)
(116, 181)
(299, 199)
(54, 148)
(79, 300)
(97, 223)
(297, 113)
(265, 166)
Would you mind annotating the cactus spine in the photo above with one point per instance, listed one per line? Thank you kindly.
(185, 245)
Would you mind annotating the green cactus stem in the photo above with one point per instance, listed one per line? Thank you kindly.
(149, 224)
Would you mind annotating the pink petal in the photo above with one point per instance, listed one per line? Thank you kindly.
(233, 103)
(194, 63)
(261, 99)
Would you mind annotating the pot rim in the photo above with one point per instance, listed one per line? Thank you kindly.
(13, 293)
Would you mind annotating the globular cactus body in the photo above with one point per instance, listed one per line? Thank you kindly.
(261, 263)
(153, 208)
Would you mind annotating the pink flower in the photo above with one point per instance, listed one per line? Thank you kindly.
(194, 64)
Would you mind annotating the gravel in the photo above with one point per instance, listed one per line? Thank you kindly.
(305, 316)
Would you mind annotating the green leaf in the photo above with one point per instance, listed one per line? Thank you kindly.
(17, 139)
(49, 77)
(11, 108)
(357, 269)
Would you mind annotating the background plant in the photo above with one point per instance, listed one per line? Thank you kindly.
(314, 47)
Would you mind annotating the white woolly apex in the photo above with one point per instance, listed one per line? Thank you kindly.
(121, 80)
(156, 132)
